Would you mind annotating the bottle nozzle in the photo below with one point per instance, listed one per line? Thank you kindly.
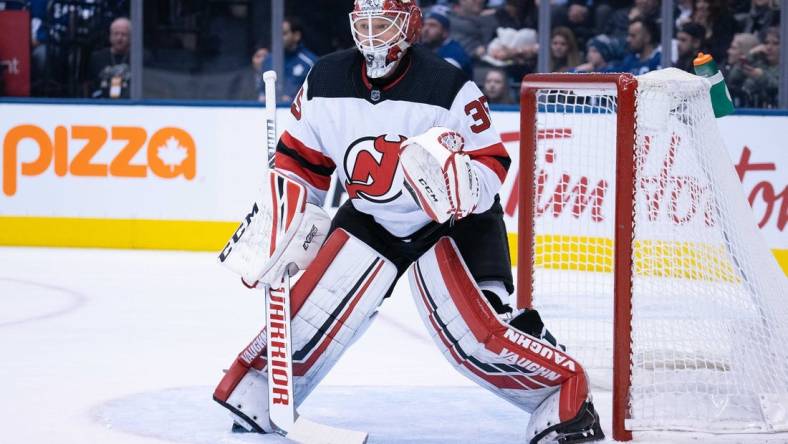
(702, 59)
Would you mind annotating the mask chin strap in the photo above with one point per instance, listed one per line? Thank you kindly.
(376, 64)
(381, 63)
(381, 60)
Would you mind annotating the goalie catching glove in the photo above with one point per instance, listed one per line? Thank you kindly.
(439, 174)
(282, 233)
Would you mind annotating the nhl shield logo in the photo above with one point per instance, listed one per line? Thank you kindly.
(451, 141)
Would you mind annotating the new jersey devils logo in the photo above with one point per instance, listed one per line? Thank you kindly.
(371, 168)
(295, 107)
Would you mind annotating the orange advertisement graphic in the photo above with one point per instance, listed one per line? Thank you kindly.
(171, 152)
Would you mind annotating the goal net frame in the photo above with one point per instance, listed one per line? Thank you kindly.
(626, 89)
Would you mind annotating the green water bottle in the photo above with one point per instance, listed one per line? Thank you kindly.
(721, 100)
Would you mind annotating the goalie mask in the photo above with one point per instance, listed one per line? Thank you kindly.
(383, 30)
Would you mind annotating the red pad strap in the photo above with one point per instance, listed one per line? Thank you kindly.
(230, 380)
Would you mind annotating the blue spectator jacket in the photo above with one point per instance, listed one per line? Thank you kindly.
(38, 11)
(297, 66)
(632, 64)
(454, 53)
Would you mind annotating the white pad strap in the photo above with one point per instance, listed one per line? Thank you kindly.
(508, 362)
(440, 175)
(282, 232)
(332, 303)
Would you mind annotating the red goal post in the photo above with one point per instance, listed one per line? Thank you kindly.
(625, 86)
(640, 251)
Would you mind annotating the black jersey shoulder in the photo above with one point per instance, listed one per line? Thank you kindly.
(427, 79)
(430, 79)
(330, 75)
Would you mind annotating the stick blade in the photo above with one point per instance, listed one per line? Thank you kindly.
(306, 431)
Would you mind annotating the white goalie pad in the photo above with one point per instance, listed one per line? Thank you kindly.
(515, 366)
(281, 232)
(332, 304)
(440, 174)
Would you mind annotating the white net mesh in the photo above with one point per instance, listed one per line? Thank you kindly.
(708, 299)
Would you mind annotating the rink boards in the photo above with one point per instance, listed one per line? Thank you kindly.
(178, 177)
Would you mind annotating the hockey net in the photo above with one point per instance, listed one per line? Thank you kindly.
(637, 246)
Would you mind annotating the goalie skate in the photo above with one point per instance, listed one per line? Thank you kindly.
(545, 426)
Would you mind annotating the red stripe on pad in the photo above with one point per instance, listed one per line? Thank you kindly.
(293, 192)
(479, 317)
(230, 380)
(574, 392)
(275, 205)
(308, 281)
(500, 381)
(464, 294)
(300, 369)
(259, 363)
(298, 295)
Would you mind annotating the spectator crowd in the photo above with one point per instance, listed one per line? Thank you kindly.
(78, 48)
(81, 48)
(617, 36)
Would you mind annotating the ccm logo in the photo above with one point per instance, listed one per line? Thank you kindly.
(428, 190)
(228, 247)
(170, 152)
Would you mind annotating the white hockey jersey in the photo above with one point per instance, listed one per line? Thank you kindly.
(343, 121)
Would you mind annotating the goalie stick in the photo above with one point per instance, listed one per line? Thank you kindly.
(279, 352)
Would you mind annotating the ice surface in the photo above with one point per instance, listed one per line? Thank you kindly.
(401, 415)
(116, 347)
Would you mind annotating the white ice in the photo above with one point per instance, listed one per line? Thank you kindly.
(106, 346)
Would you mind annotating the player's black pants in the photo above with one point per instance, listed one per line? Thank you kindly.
(481, 239)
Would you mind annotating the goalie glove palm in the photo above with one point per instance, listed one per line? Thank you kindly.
(440, 175)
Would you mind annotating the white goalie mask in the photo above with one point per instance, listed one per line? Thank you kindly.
(383, 30)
